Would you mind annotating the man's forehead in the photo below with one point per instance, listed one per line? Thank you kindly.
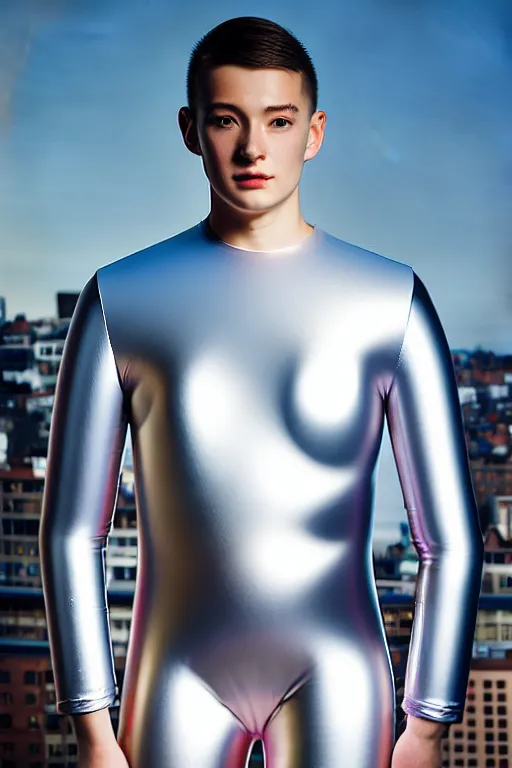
(269, 90)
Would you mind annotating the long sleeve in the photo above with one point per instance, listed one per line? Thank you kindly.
(87, 437)
(427, 436)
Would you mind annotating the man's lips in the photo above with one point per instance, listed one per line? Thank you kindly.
(244, 176)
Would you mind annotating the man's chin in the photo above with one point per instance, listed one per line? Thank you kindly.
(245, 201)
(253, 200)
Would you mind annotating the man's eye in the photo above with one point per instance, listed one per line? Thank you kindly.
(217, 118)
(287, 122)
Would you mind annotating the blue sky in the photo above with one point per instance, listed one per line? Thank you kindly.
(416, 162)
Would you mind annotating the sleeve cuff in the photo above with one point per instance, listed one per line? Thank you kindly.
(440, 712)
(102, 698)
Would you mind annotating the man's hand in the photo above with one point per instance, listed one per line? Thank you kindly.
(420, 745)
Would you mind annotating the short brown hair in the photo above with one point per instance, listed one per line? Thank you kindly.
(253, 42)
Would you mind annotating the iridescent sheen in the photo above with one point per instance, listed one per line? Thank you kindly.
(256, 386)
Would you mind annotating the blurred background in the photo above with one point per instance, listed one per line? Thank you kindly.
(416, 165)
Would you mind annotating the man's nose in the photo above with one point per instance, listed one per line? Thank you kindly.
(252, 145)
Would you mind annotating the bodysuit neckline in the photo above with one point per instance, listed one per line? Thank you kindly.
(304, 246)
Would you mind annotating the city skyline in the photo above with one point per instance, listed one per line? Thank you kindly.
(389, 512)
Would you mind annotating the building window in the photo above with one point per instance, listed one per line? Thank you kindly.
(30, 699)
(53, 722)
(5, 676)
(5, 720)
(33, 721)
(30, 677)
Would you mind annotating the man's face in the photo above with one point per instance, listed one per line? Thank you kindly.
(237, 133)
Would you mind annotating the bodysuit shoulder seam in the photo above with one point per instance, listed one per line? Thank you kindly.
(399, 361)
(102, 307)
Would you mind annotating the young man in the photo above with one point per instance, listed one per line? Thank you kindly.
(256, 358)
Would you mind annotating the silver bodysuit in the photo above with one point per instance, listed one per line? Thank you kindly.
(256, 386)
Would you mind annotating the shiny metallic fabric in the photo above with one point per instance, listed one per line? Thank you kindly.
(257, 386)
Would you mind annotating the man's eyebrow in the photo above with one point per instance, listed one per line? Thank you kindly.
(282, 108)
(271, 108)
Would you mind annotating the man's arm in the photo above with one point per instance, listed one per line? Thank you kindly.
(87, 437)
(427, 436)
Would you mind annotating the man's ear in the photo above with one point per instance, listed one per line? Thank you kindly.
(315, 135)
(188, 128)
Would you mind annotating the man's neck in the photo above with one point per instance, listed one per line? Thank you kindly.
(258, 235)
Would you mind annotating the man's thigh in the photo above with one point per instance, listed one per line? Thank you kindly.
(343, 716)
